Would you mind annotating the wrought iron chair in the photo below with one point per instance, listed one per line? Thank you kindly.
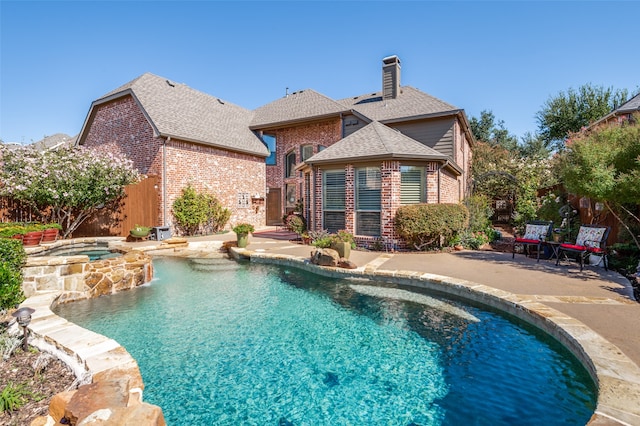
(536, 232)
(591, 239)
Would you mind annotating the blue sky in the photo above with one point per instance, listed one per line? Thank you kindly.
(57, 57)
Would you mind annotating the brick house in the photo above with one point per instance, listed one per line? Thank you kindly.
(624, 112)
(348, 164)
(183, 137)
(352, 163)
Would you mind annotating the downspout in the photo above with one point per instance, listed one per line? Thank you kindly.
(164, 181)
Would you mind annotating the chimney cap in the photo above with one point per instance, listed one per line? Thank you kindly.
(391, 60)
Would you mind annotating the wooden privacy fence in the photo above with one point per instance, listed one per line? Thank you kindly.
(138, 207)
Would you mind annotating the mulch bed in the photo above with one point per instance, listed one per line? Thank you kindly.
(40, 375)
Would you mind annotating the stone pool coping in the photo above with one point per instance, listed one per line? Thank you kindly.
(616, 376)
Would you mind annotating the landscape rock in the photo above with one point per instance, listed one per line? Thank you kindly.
(325, 257)
(347, 264)
(90, 398)
(58, 404)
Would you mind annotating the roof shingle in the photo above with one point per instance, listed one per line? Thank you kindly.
(375, 141)
(181, 112)
(298, 106)
(411, 102)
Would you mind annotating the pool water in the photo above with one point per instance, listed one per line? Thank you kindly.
(223, 343)
(95, 252)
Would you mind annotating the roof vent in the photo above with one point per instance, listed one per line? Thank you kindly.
(220, 100)
(171, 83)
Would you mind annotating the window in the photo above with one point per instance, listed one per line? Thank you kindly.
(368, 201)
(321, 148)
(290, 164)
(412, 189)
(306, 151)
(333, 184)
(290, 193)
(270, 142)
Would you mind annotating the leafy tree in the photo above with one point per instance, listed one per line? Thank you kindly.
(569, 112)
(488, 129)
(533, 146)
(66, 185)
(499, 173)
(604, 165)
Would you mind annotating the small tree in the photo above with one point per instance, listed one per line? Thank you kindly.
(604, 165)
(66, 185)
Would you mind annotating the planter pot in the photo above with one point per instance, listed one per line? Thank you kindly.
(243, 240)
(32, 238)
(139, 234)
(343, 249)
(17, 237)
(49, 235)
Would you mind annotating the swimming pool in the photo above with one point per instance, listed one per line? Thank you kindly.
(219, 342)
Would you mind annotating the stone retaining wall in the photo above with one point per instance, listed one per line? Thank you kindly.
(78, 278)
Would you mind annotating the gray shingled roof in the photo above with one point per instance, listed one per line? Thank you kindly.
(178, 111)
(298, 106)
(411, 102)
(631, 105)
(375, 141)
(55, 141)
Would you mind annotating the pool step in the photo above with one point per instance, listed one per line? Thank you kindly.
(213, 264)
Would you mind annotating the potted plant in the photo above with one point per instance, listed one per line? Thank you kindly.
(242, 231)
(50, 232)
(140, 231)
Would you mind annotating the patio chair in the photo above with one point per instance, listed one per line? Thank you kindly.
(591, 239)
(536, 232)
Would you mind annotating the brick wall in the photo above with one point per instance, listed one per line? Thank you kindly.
(121, 127)
(234, 178)
(324, 133)
(449, 187)
(391, 198)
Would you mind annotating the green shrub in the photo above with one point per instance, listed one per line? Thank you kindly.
(424, 225)
(296, 223)
(217, 215)
(480, 212)
(12, 257)
(196, 211)
(243, 228)
(344, 236)
(12, 253)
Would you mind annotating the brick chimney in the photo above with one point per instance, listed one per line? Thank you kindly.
(390, 77)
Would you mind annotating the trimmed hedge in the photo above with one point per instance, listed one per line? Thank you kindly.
(12, 258)
(426, 225)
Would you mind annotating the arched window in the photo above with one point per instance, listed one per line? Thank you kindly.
(290, 164)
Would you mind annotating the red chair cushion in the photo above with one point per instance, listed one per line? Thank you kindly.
(595, 249)
(526, 241)
(573, 247)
